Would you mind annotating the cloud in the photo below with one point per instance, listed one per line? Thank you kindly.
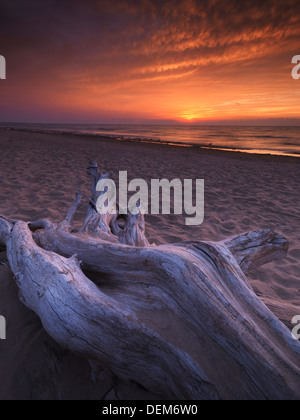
(59, 49)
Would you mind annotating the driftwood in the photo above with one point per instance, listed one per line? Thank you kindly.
(179, 319)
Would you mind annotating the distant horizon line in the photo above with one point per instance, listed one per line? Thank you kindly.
(228, 124)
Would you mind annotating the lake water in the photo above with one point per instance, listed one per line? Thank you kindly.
(274, 140)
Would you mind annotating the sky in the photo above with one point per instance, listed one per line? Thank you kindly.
(146, 61)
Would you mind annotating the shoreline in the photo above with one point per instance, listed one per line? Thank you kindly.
(140, 140)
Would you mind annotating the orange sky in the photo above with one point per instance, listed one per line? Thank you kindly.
(146, 61)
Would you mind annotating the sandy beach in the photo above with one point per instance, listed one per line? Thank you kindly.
(40, 174)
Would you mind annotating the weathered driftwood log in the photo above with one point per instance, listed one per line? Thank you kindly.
(254, 249)
(106, 226)
(181, 320)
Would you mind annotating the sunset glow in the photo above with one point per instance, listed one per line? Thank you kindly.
(144, 61)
